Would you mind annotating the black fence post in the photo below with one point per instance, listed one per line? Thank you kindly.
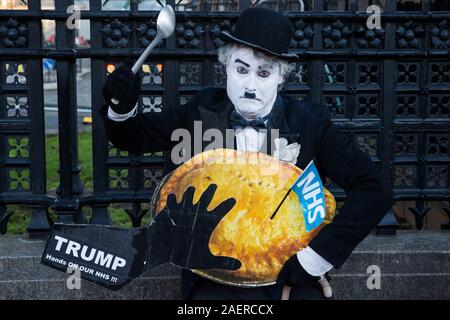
(99, 146)
(67, 206)
(388, 225)
(39, 224)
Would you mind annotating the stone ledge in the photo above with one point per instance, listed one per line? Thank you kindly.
(393, 287)
(414, 265)
(164, 288)
(345, 286)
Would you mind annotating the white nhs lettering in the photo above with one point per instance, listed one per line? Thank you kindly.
(310, 191)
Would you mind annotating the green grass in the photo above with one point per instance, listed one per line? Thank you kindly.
(21, 214)
(84, 156)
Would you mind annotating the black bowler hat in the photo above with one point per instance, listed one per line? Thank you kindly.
(264, 30)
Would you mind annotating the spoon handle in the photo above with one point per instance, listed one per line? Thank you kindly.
(145, 54)
(138, 64)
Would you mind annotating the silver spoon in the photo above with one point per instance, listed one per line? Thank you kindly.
(165, 25)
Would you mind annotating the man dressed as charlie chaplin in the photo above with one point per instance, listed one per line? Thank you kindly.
(256, 59)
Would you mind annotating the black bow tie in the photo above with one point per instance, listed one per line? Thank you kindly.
(238, 121)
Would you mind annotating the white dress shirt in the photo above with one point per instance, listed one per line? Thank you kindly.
(249, 139)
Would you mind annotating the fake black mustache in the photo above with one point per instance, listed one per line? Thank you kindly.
(249, 95)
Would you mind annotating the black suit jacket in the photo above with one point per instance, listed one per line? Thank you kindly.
(336, 157)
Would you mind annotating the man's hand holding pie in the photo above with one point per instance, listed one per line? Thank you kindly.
(294, 275)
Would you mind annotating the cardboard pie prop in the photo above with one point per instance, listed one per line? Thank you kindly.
(257, 182)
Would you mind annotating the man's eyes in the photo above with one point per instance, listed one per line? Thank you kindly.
(262, 73)
(242, 70)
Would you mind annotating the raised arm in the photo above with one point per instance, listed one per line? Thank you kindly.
(128, 130)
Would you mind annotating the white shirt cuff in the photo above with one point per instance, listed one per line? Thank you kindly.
(121, 117)
(313, 263)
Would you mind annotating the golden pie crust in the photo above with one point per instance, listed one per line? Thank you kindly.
(258, 182)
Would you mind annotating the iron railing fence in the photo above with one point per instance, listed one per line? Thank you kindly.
(388, 87)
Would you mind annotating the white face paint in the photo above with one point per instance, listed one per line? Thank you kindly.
(252, 82)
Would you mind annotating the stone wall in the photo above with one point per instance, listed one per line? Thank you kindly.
(413, 265)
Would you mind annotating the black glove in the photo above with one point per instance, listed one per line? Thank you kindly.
(122, 85)
(181, 232)
(293, 274)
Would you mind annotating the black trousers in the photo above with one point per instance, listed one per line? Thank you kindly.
(208, 290)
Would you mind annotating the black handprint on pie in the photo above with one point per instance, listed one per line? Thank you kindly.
(181, 232)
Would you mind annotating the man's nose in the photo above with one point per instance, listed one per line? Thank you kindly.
(250, 86)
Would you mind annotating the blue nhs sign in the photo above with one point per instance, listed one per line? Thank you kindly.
(309, 190)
